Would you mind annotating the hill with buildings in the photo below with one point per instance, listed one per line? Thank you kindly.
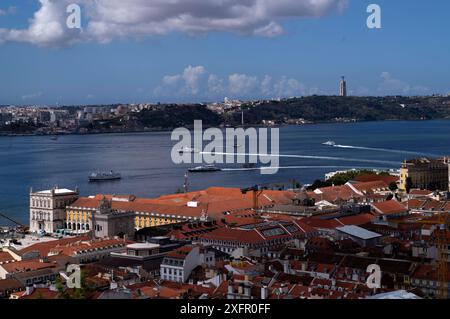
(342, 109)
(147, 117)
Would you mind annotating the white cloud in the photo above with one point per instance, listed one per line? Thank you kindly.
(242, 84)
(171, 79)
(393, 86)
(197, 82)
(192, 76)
(187, 83)
(46, 28)
(215, 84)
(107, 20)
(31, 96)
(271, 30)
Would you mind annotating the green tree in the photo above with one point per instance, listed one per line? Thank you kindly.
(393, 186)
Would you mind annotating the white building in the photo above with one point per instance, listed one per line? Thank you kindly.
(178, 264)
(47, 208)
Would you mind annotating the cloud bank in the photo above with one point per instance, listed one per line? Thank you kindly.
(106, 20)
(196, 82)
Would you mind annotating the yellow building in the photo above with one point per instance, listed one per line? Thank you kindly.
(424, 173)
(213, 202)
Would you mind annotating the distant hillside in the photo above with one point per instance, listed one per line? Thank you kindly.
(172, 116)
(333, 108)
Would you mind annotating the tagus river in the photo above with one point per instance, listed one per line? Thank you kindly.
(144, 160)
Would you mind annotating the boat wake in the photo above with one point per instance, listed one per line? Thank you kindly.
(330, 158)
(387, 150)
(298, 167)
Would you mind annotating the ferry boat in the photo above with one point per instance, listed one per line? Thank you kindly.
(104, 176)
(204, 169)
(329, 143)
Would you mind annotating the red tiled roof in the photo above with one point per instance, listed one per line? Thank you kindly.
(45, 247)
(217, 200)
(235, 235)
(72, 249)
(26, 265)
(163, 292)
(425, 272)
(322, 223)
(42, 293)
(334, 193)
(357, 220)
(180, 253)
(5, 257)
(415, 203)
(364, 178)
(391, 207)
(370, 186)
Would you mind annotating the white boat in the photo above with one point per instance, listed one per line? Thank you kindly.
(329, 143)
(104, 176)
(204, 169)
(188, 150)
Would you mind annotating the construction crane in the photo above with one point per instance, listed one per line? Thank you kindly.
(21, 228)
(12, 220)
(442, 245)
(257, 190)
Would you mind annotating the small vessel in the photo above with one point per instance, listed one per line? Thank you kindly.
(188, 150)
(329, 143)
(204, 169)
(237, 145)
(54, 138)
(104, 176)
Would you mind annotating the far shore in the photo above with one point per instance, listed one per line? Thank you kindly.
(156, 130)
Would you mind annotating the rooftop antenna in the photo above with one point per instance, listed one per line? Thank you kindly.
(186, 182)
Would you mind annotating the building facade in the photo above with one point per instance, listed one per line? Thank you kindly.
(103, 220)
(425, 173)
(178, 264)
(47, 209)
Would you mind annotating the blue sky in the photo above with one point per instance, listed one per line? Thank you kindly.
(176, 60)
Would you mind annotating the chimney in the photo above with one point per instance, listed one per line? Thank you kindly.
(264, 292)
(230, 288)
(43, 260)
(286, 267)
(29, 290)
